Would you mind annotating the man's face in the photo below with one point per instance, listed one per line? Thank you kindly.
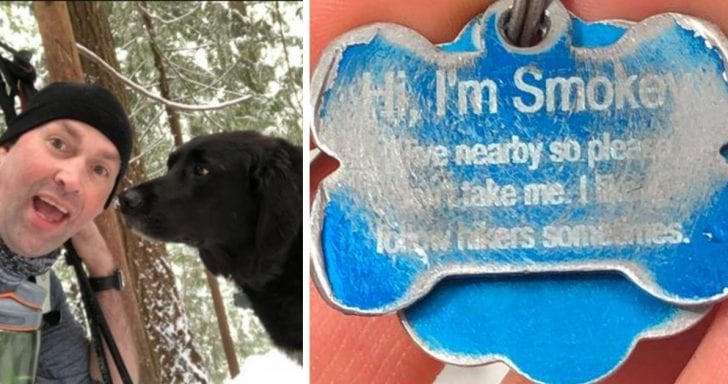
(53, 180)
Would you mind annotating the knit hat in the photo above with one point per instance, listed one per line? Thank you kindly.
(87, 103)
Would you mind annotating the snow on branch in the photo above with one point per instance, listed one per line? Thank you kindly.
(172, 104)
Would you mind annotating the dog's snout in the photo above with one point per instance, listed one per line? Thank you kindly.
(131, 200)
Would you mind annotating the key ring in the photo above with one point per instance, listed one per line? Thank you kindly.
(525, 21)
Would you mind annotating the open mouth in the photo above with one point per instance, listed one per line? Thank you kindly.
(49, 210)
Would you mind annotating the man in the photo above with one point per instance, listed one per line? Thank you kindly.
(60, 163)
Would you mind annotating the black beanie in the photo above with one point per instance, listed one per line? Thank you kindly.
(87, 103)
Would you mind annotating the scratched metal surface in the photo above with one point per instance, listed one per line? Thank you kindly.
(420, 155)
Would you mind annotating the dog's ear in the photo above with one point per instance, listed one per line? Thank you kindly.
(279, 191)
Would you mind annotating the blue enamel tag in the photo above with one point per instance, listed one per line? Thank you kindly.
(599, 149)
(567, 329)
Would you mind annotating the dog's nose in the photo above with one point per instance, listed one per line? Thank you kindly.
(130, 200)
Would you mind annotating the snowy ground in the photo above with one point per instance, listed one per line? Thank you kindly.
(486, 374)
(270, 368)
(274, 367)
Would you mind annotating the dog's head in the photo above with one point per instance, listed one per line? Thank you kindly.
(237, 190)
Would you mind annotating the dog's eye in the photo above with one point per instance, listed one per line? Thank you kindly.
(200, 170)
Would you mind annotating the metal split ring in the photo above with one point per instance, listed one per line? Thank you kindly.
(524, 23)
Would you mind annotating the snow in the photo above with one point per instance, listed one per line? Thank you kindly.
(270, 368)
(485, 374)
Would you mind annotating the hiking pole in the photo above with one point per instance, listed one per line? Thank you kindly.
(97, 321)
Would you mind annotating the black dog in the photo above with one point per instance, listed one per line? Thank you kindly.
(237, 198)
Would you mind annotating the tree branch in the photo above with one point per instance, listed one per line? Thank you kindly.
(177, 106)
(291, 88)
(174, 20)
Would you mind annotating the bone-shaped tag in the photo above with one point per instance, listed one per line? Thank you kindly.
(587, 152)
(567, 328)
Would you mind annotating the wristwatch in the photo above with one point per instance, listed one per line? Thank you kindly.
(114, 281)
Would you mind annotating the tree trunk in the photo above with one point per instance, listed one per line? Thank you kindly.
(173, 119)
(63, 63)
(150, 271)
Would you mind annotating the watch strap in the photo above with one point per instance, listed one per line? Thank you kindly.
(113, 281)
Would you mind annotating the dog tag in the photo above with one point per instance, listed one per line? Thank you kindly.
(565, 328)
(597, 149)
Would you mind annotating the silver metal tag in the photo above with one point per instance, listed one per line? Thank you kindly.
(578, 176)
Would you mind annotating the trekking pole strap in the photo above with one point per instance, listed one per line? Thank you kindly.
(97, 321)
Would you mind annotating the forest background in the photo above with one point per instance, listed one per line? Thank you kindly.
(198, 53)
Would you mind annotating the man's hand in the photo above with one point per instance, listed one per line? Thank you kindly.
(93, 251)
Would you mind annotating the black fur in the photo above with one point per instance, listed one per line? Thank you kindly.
(237, 197)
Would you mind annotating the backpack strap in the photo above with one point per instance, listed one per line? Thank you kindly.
(19, 74)
(44, 281)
